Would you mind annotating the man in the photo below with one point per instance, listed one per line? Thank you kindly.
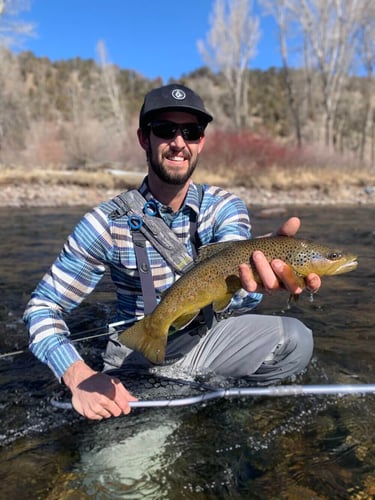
(264, 348)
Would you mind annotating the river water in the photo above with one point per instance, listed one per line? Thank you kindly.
(290, 447)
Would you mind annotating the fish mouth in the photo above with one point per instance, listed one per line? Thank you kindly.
(349, 265)
(330, 267)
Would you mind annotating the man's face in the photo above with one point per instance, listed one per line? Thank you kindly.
(172, 160)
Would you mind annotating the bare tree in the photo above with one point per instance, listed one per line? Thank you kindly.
(93, 135)
(86, 136)
(12, 28)
(230, 46)
(111, 89)
(78, 139)
(329, 29)
(281, 14)
(366, 51)
(13, 104)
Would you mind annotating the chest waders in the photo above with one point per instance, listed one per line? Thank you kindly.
(146, 225)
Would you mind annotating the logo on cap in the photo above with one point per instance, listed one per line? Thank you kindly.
(178, 94)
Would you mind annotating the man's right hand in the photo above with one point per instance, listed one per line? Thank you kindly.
(96, 395)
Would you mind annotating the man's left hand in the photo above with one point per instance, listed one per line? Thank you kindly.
(277, 274)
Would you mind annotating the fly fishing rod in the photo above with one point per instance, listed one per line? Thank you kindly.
(89, 334)
(271, 391)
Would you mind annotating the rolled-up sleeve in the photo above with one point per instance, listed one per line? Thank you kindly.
(73, 276)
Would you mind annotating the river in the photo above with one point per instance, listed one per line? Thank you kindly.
(248, 447)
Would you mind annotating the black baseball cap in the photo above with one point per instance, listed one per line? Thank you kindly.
(173, 97)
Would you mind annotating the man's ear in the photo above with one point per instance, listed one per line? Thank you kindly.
(143, 139)
(202, 140)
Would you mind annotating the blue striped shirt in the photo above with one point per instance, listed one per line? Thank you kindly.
(98, 242)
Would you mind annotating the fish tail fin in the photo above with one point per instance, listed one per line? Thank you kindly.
(139, 338)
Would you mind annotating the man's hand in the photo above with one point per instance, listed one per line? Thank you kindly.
(96, 395)
(278, 274)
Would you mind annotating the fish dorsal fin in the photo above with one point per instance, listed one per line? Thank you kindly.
(207, 251)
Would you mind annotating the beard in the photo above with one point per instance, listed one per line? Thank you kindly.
(169, 177)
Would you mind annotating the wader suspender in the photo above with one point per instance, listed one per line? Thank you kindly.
(146, 225)
(144, 268)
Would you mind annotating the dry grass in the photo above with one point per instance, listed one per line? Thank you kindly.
(53, 176)
(286, 178)
(272, 178)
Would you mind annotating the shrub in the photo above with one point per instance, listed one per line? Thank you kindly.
(247, 151)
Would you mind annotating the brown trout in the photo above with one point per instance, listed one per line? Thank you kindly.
(215, 278)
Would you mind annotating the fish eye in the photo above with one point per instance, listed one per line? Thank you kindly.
(335, 255)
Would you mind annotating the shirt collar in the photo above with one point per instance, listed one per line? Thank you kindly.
(191, 200)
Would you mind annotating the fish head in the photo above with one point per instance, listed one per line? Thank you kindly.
(324, 261)
(335, 263)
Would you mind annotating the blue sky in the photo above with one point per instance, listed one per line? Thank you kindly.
(157, 38)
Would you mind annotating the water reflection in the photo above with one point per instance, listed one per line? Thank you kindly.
(311, 447)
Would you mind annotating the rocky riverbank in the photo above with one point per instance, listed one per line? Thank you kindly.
(32, 195)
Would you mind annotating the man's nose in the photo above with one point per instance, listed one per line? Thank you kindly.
(178, 139)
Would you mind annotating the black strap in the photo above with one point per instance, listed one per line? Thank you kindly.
(193, 230)
(207, 311)
(144, 270)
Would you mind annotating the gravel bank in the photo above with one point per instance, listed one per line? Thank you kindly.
(57, 196)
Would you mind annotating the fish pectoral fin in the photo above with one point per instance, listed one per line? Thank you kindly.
(232, 284)
(184, 320)
(138, 338)
(291, 275)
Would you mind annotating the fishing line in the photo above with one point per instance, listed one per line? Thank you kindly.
(77, 337)
(272, 391)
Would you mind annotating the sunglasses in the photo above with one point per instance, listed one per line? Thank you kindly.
(168, 130)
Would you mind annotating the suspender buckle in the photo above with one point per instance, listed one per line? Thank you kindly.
(150, 208)
(135, 222)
